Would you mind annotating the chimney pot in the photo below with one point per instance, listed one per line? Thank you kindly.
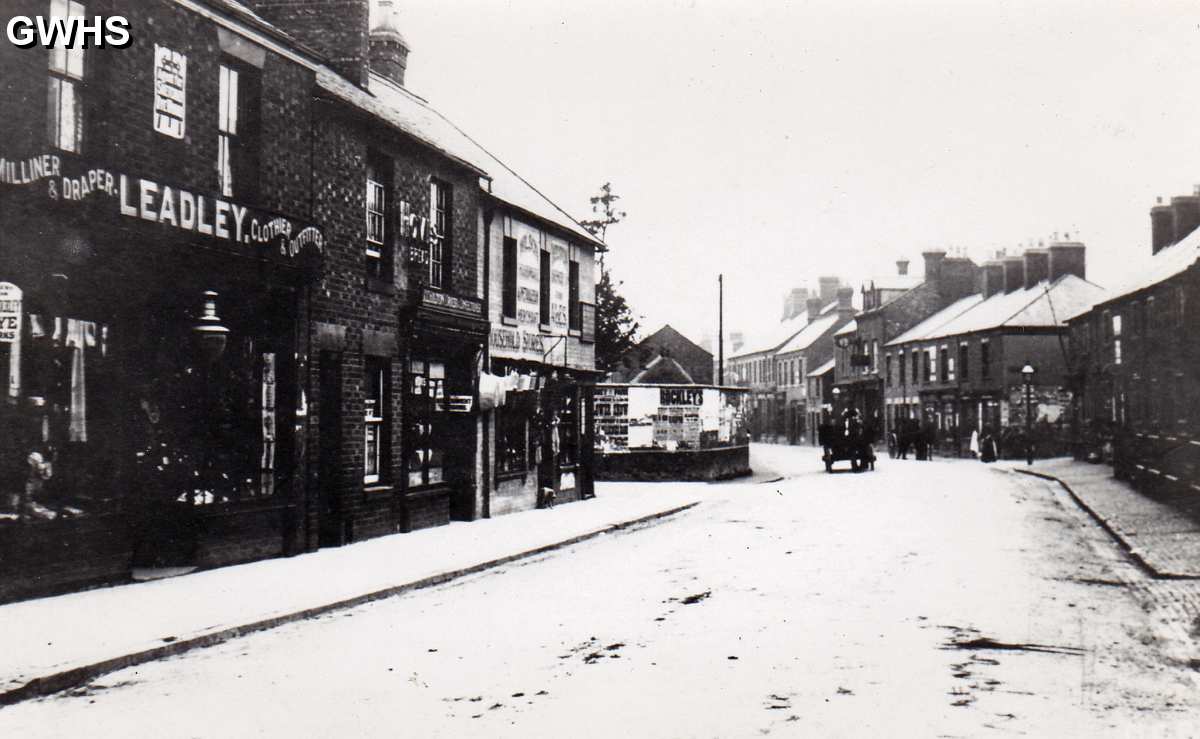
(902, 266)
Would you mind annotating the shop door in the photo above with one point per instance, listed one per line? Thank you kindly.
(460, 463)
(331, 524)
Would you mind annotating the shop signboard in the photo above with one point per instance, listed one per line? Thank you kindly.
(10, 313)
(529, 338)
(170, 92)
(71, 182)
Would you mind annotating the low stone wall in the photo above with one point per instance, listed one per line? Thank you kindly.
(658, 464)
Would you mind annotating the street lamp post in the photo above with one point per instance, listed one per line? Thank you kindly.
(1027, 373)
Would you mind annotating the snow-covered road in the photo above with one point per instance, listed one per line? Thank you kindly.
(944, 598)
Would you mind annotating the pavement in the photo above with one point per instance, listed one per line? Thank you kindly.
(1162, 536)
(50, 644)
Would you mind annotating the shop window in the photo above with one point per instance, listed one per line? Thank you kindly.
(512, 441)
(378, 196)
(104, 414)
(544, 294)
(573, 314)
(65, 95)
(427, 404)
(509, 292)
(375, 411)
(238, 102)
(568, 429)
(439, 245)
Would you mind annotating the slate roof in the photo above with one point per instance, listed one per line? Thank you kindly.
(414, 116)
(809, 334)
(937, 320)
(823, 369)
(848, 329)
(1046, 304)
(663, 370)
(1167, 263)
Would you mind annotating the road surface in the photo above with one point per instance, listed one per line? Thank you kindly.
(945, 598)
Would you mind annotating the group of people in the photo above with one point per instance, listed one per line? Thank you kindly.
(909, 436)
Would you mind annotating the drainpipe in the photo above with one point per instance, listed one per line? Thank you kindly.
(486, 476)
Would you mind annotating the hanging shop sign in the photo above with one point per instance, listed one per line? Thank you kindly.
(170, 91)
(70, 181)
(10, 313)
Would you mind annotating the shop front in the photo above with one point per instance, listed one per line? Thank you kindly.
(150, 344)
(440, 409)
(542, 434)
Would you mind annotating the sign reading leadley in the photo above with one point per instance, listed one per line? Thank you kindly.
(69, 180)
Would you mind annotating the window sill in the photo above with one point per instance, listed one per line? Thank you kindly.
(544, 328)
(377, 487)
(574, 332)
(507, 321)
(506, 476)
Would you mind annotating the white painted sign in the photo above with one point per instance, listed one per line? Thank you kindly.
(10, 313)
(170, 91)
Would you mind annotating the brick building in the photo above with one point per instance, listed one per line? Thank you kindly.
(751, 362)
(157, 253)
(890, 306)
(959, 370)
(245, 279)
(1135, 358)
(805, 351)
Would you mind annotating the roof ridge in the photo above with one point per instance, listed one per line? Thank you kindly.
(514, 173)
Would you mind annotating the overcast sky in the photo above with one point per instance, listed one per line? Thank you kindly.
(778, 141)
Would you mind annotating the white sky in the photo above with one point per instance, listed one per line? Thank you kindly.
(776, 141)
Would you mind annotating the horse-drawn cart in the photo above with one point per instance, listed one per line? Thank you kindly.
(846, 442)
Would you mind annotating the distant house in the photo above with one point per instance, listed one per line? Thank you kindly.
(685, 357)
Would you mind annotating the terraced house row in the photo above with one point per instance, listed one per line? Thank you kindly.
(258, 297)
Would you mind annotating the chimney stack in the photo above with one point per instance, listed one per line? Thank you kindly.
(845, 298)
(338, 29)
(1037, 266)
(1162, 226)
(389, 50)
(992, 275)
(828, 287)
(902, 267)
(1186, 209)
(1014, 273)
(736, 339)
(813, 308)
(793, 302)
(1068, 258)
(933, 264)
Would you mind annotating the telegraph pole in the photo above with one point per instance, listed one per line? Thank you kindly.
(721, 329)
